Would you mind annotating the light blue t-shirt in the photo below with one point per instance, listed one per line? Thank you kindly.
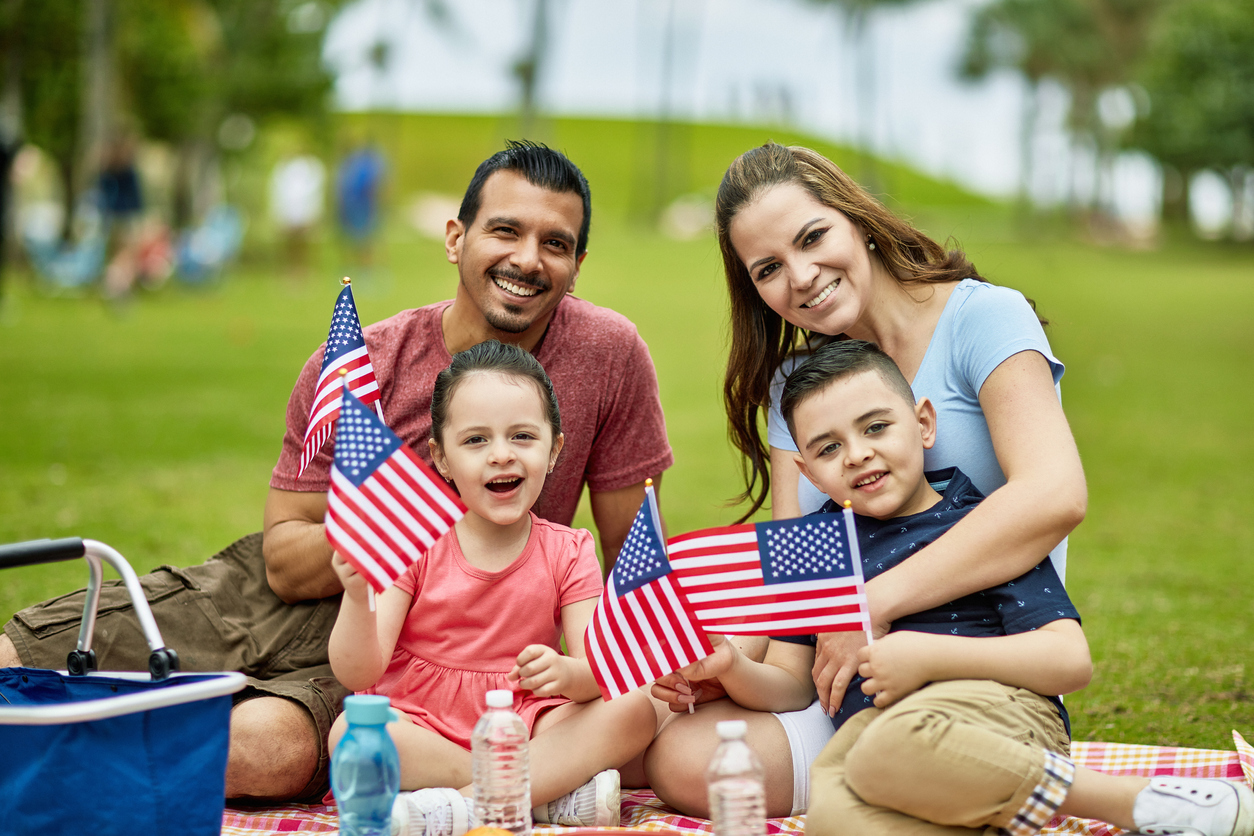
(982, 325)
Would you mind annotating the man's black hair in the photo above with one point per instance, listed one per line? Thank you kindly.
(543, 167)
(835, 361)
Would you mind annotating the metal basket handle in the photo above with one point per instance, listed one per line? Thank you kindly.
(162, 661)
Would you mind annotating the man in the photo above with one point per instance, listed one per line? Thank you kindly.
(518, 242)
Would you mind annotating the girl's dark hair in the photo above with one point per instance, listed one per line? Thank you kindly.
(491, 356)
(760, 339)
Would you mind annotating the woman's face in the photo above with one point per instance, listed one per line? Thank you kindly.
(808, 262)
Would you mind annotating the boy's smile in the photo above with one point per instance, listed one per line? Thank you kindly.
(862, 441)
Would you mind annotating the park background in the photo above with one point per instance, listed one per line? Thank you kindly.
(150, 420)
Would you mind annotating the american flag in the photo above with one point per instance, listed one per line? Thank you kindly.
(346, 349)
(385, 507)
(643, 627)
(789, 577)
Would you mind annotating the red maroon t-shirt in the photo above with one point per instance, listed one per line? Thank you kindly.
(601, 371)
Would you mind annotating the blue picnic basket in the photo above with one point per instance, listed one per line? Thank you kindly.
(83, 752)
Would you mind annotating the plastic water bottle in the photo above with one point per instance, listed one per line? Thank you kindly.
(735, 780)
(365, 769)
(501, 767)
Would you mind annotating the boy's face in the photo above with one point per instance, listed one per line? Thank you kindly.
(863, 442)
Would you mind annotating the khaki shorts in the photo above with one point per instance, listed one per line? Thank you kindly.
(218, 616)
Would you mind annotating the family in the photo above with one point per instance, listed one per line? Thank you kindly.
(887, 373)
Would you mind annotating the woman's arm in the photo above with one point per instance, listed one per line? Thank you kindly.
(1053, 659)
(362, 641)
(1044, 498)
(785, 477)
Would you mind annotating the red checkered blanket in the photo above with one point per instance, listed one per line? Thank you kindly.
(643, 812)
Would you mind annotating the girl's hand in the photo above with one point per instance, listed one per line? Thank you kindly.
(354, 584)
(543, 671)
(698, 682)
(896, 665)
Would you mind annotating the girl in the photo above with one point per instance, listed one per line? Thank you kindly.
(811, 256)
(485, 609)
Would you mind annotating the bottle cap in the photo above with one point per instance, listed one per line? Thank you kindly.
(731, 729)
(368, 709)
(501, 699)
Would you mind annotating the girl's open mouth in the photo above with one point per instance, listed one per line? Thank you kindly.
(504, 485)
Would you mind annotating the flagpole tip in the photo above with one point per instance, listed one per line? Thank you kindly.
(848, 504)
(346, 281)
(648, 482)
(345, 371)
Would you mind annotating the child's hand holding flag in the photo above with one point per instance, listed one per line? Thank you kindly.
(385, 507)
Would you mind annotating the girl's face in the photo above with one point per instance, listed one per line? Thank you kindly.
(497, 445)
(809, 262)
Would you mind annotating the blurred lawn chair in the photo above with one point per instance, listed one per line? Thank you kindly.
(201, 253)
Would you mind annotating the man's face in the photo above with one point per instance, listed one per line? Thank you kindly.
(516, 260)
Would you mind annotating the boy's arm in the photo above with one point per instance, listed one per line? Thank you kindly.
(780, 682)
(1050, 660)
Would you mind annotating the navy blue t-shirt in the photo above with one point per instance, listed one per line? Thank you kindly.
(1032, 600)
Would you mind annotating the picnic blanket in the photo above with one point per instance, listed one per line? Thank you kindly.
(642, 811)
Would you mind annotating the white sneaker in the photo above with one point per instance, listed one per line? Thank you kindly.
(1194, 806)
(436, 811)
(595, 804)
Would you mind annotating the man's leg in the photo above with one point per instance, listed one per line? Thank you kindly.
(8, 653)
(279, 731)
(275, 752)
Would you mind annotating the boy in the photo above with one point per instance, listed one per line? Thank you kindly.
(954, 719)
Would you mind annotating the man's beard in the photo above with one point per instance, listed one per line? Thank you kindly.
(512, 320)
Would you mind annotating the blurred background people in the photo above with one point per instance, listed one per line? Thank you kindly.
(296, 204)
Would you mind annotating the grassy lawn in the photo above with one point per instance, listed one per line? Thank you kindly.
(153, 428)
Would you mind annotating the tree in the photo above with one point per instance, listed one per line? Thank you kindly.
(1086, 46)
(180, 67)
(1200, 81)
(856, 14)
(1042, 40)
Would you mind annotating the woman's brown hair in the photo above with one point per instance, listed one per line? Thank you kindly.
(760, 338)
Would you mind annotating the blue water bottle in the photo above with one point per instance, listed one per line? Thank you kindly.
(365, 769)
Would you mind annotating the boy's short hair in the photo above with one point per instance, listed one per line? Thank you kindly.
(837, 361)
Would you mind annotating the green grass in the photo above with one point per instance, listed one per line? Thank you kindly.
(154, 428)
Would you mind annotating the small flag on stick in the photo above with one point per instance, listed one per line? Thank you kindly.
(788, 577)
(643, 627)
(385, 507)
(345, 351)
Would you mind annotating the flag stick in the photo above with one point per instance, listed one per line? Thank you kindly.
(855, 554)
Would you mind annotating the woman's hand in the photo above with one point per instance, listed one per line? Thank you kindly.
(835, 663)
(896, 665)
(543, 671)
(355, 586)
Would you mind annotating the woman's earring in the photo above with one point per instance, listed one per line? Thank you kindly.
(870, 243)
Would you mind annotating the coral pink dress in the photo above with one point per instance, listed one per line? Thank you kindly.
(465, 627)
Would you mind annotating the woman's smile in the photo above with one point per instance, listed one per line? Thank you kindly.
(822, 295)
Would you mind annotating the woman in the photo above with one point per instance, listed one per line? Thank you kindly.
(810, 256)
